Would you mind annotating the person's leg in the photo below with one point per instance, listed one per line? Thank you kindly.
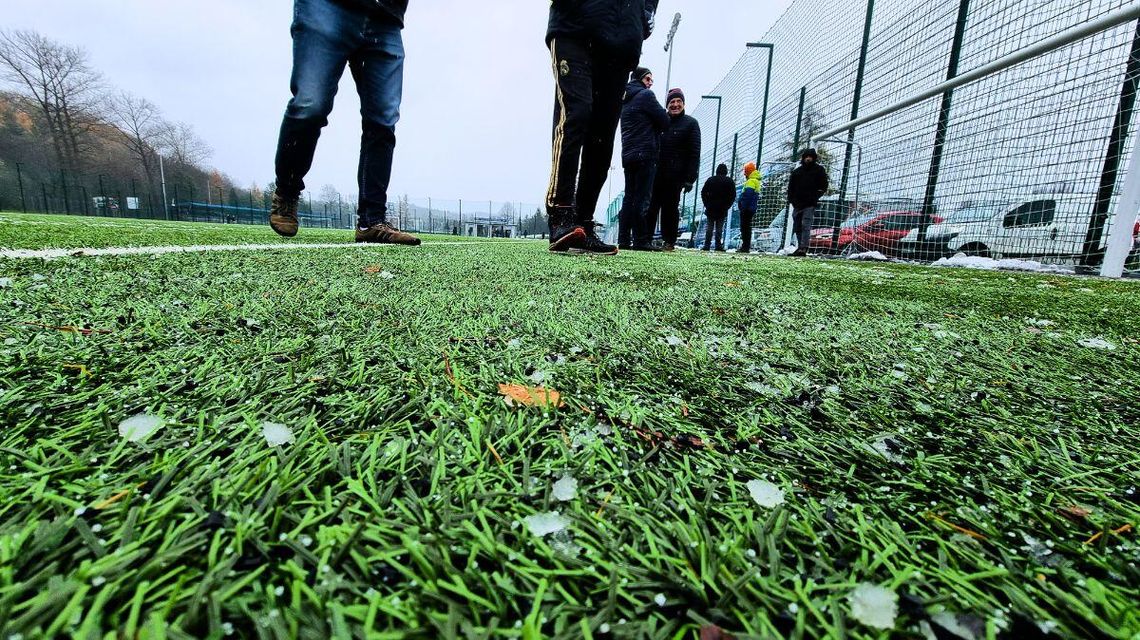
(670, 213)
(378, 68)
(806, 220)
(573, 105)
(629, 208)
(746, 231)
(719, 233)
(324, 35)
(710, 225)
(608, 88)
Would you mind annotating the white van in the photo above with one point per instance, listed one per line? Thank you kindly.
(1043, 226)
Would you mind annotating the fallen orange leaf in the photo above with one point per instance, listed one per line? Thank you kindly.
(1075, 512)
(372, 269)
(530, 396)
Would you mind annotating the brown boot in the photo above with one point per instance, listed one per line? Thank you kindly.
(384, 233)
(283, 216)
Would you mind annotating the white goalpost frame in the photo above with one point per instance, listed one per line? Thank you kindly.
(1127, 207)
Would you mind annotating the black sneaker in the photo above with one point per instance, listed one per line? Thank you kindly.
(565, 234)
(597, 246)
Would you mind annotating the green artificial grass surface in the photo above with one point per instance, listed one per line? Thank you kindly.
(965, 439)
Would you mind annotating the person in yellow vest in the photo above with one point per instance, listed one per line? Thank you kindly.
(748, 202)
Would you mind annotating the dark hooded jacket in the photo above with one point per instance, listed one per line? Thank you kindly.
(385, 9)
(680, 151)
(642, 121)
(718, 193)
(808, 183)
(619, 26)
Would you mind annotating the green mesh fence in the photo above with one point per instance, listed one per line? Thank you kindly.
(1032, 159)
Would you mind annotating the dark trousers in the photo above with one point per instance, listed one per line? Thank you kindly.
(635, 206)
(746, 218)
(802, 221)
(327, 37)
(714, 229)
(589, 86)
(666, 206)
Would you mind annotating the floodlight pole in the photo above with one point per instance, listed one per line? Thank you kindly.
(669, 48)
(767, 87)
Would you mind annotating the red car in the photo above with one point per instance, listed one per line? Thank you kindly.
(878, 231)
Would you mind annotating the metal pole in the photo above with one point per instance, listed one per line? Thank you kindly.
(795, 155)
(716, 136)
(103, 195)
(859, 76)
(462, 231)
(63, 185)
(86, 211)
(669, 48)
(165, 199)
(943, 122)
(1120, 238)
(732, 169)
(767, 87)
(20, 181)
(1093, 254)
(43, 189)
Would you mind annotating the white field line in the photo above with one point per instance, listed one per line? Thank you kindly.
(52, 254)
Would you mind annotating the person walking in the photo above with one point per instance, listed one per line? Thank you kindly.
(328, 35)
(643, 119)
(594, 46)
(677, 169)
(718, 195)
(747, 204)
(806, 186)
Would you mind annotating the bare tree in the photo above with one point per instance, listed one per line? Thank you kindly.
(62, 84)
(140, 126)
(181, 144)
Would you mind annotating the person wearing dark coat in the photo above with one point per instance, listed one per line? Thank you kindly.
(808, 183)
(329, 35)
(676, 170)
(643, 119)
(594, 46)
(718, 195)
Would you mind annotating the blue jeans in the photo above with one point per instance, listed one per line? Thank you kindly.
(327, 37)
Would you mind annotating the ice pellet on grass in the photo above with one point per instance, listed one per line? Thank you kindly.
(875, 606)
(659, 599)
(139, 428)
(1097, 343)
(873, 256)
(674, 341)
(5, 283)
(565, 489)
(543, 524)
(277, 435)
(765, 493)
(387, 275)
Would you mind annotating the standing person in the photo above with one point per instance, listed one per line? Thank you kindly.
(748, 203)
(329, 35)
(806, 186)
(594, 45)
(643, 119)
(718, 195)
(677, 169)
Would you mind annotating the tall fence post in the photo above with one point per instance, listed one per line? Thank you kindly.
(1093, 254)
(43, 190)
(855, 100)
(63, 186)
(767, 88)
(786, 236)
(20, 181)
(943, 121)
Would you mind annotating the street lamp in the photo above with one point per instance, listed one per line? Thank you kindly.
(767, 86)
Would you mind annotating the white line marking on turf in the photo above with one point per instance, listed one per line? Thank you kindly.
(51, 254)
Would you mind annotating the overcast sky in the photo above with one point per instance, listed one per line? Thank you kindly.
(478, 91)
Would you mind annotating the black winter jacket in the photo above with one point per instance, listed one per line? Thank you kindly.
(680, 151)
(642, 121)
(620, 26)
(718, 194)
(807, 185)
(387, 9)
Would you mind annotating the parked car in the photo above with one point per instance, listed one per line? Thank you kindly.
(881, 231)
(1045, 226)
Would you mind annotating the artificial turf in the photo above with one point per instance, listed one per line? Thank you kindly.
(965, 439)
